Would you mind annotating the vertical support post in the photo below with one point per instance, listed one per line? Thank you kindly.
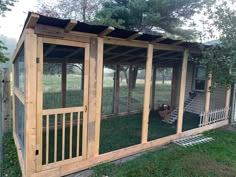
(99, 94)
(30, 101)
(227, 101)
(173, 86)
(63, 85)
(117, 90)
(13, 100)
(39, 103)
(182, 91)
(147, 90)
(95, 96)
(207, 98)
(6, 100)
(153, 87)
(129, 88)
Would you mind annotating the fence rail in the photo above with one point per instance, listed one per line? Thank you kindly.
(214, 116)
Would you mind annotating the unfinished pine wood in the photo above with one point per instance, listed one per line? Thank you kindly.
(207, 97)
(227, 97)
(55, 137)
(30, 101)
(106, 31)
(86, 101)
(19, 46)
(47, 139)
(63, 135)
(62, 110)
(117, 90)
(13, 101)
(32, 21)
(72, 23)
(71, 134)
(63, 42)
(19, 94)
(92, 97)
(39, 105)
(63, 84)
(182, 91)
(99, 87)
(134, 36)
(6, 100)
(147, 92)
(78, 135)
(154, 70)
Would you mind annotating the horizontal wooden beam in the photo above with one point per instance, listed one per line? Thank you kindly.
(106, 31)
(159, 39)
(33, 19)
(70, 25)
(134, 36)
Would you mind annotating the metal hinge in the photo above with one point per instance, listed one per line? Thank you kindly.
(37, 60)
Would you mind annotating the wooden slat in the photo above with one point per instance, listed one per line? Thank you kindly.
(63, 42)
(32, 21)
(19, 94)
(55, 137)
(134, 36)
(78, 135)
(71, 134)
(86, 97)
(71, 24)
(99, 87)
(182, 91)
(106, 31)
(63, 135)
(47, 139)
(62, 110)
(30, 101)
(39, 103)
(147, 92)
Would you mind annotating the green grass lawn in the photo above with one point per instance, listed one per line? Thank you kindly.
(214, 159)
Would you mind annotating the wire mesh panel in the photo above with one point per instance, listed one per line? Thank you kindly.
(123, 91)
(137, 88)
(20, 122)
(19, 70)
(163, 86)
(108, 90)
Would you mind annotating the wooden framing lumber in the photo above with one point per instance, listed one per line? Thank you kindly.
(174, 86)
(158, 39)
(71, 24)
(99, 87)
(147, 93)
(106, 31)
(154, 70)
(33, 19)
(134, 36)
(30, 101)
(208, 94)
(182, 91)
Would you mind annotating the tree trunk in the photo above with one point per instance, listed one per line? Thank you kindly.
(134, 77)
(126, 77)
(163, 79)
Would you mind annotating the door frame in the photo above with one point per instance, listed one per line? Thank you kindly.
(39, 107)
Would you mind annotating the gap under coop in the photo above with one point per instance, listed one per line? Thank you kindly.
(193, 140)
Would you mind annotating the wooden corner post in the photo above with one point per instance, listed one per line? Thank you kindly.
(30, 101)
(182, 91)
(147, 92)
(116, 89)
(95, 96)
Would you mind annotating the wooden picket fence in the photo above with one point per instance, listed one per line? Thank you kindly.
(214, 116)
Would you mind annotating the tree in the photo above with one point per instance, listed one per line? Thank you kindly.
(220, 58)
(4, 6)
(164, 72)
(82, 10)
(151, 16)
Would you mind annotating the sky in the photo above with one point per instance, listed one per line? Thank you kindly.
(12, 24)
